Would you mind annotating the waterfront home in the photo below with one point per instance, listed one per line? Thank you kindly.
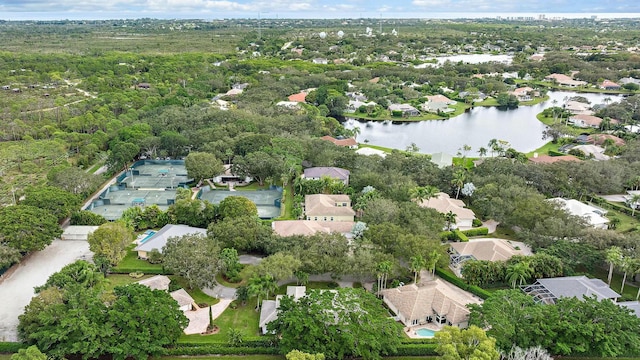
(549, 290)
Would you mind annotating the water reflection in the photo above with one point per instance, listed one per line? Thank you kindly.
(475, 128)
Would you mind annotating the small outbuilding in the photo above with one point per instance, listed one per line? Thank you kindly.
(77, 232)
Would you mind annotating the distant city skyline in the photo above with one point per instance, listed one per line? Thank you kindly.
(331, 9)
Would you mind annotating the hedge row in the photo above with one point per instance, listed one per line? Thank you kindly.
(247, 342)
(455, 235)
(476, 232)
(128, 270)
(478, 291)
(414, 341)
(221, 350)
(416, 350)
(555, 153)
(11, 347)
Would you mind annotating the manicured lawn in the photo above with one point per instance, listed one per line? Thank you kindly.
(220, 280)
(244, 318)
(503, 233)
(627, 223)
(487, 102)
(253, 186)
(544, 149)
(122, 279)
(196, 294)
(288, 204)
(385, 149)
(535, 101)
(131, 263)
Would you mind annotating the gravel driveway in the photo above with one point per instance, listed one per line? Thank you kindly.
(16, 287)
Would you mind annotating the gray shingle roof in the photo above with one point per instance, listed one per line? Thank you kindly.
(159, 239)
(578, 286)
(332, 172)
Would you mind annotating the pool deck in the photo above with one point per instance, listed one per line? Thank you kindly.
(411, 331)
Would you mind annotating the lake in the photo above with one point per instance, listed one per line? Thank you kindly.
(475, 128)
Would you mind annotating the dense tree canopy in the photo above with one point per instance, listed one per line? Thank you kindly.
(194, 257)
(341, 323)
(111, 240)
(27, 228)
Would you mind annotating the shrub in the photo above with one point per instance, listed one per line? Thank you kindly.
(460, 236)
(222, 349)
(476, 232)
(86, 217)
(476, 223)
(450, 277)
(155, 256)
(555, 153)
(136, 275)
(416, 350)
(11, 347)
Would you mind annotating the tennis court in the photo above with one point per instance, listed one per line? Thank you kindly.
(152, 174)
(113, 202)
(267, 201)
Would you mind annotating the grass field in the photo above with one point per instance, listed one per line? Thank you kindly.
(244, 318)
(122, 279)
(197, 294)
(132, 263)
(544, 149)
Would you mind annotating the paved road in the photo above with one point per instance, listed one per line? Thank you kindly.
(16, 287)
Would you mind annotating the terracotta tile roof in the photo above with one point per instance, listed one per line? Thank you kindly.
(340, 142)
(488, 249)
(443, 204)
(599, 139)
(299, 97)
(587, 119)
(310, 227)
(326, 205)
(434, 297)
(546, 159)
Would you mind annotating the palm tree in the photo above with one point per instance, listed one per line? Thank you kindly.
(261, 287)
(613, 257)
(633, 202)
(517, 273)
(450, 218)
(629, 265)
(458, 181)
(434, 256)
(493, 144)
(384, 268)
(421, 193)
(417, 263)
(482, 151)
(356, 131)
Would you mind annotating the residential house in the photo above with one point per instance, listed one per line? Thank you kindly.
(299, 97)
(594, 152)
(227, 176)
(585, 121)
(578, 108)
(309, 227)
(145, 86)
(354, 105)
(158, 282)
(351, 143)
(634, 306)
(161, 282)
(524, 93)
(357, 96)
(269, 309)
(593, 215)
(442, 159)
(609, 85)
(564, 80)
(536, 57)
(632, 128)
(405, 109)
(484, 249)
(159, 239)
(291, 105)
(435, 301)
(184, 300)
(549, 290)
(317, 173)
(547, 159)
(322, 207)
(629, 80)
(438, 103)
(442, 203)
(321, 61)
(599, 139)
(367, 151)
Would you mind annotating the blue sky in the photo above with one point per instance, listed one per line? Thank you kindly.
(217, 9)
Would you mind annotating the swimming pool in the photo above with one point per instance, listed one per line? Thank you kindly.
(148, 234)
(425, 333)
